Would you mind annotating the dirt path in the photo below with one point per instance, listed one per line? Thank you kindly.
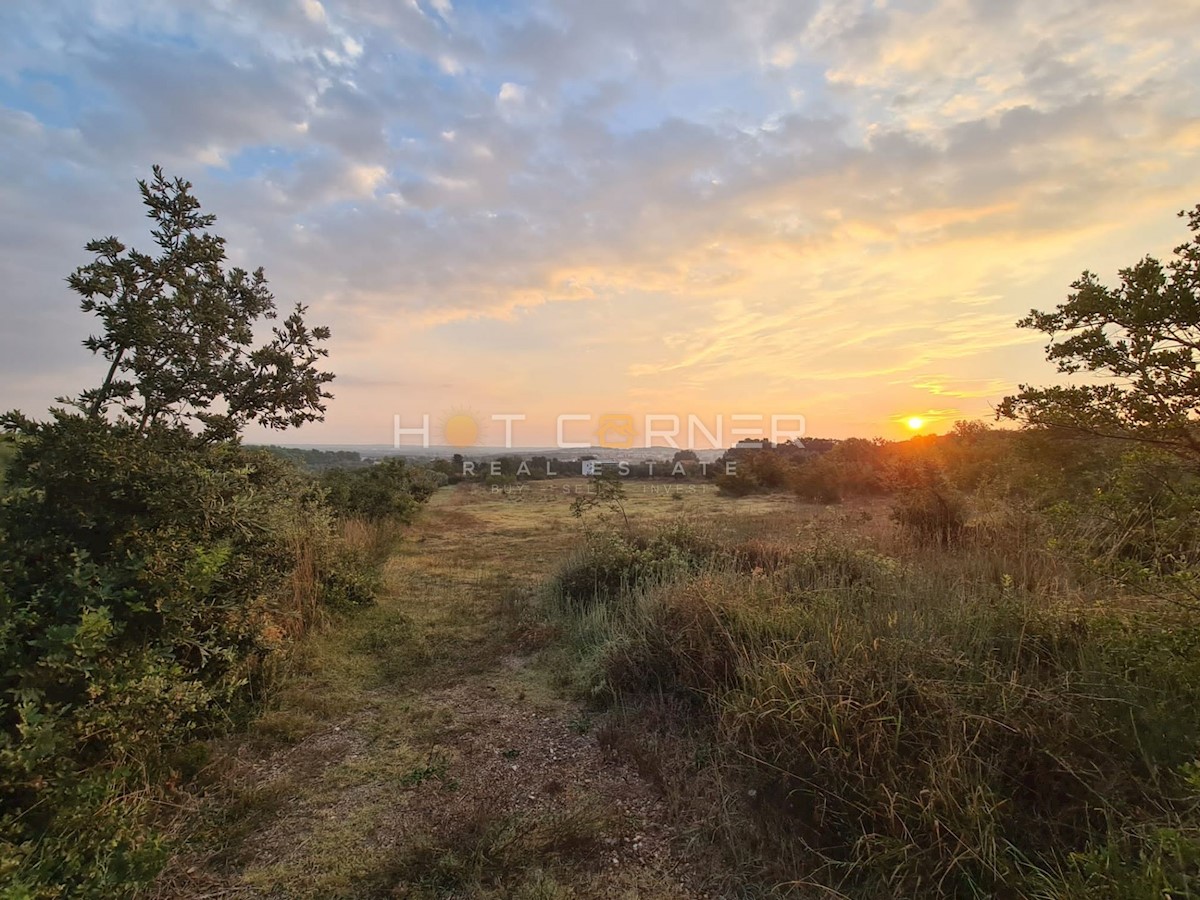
(418, 751)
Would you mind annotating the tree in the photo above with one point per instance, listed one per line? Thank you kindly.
(150, 565)
(390, 489)
(605, 491)
(178, 331)
(1144, 336)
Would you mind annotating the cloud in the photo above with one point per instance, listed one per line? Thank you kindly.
(776, 199)
(313, 10)
(511, 98)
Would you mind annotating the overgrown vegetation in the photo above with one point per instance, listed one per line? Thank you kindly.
(906, 723)
(148, 583)
(152, 570)
(998, 696)
(8, 449)
(389, 490)
(319, 460)
(984, 681)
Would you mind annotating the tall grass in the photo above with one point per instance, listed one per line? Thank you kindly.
(920, 723)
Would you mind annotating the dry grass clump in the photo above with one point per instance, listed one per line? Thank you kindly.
(917, 727)
(493, 853)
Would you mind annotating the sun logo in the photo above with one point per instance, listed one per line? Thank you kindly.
(616, 431)
(461, 428)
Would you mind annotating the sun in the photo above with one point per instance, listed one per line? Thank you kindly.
(916, 423)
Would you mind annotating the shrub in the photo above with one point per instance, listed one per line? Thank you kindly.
(888, 729)
(1140, 527)
(146, 582)
(8, 450)
(612, 562)
(931, 514)
(390, 489)
(741, 483)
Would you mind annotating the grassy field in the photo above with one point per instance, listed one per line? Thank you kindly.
(429, 746)
(840, 706)
(753, 697)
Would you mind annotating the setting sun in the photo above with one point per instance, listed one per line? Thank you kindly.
(916, 423)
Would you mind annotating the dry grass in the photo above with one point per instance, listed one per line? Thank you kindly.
(816, 705)
(379, 764)
(914, 722)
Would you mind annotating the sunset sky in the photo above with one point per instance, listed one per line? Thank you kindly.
(826, 207)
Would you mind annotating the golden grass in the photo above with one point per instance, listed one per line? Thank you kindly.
(326, 793)
(839, 708)
(361, 725)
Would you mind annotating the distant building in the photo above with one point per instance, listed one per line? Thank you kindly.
(753, 444)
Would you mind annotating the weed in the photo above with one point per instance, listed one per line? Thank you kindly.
(490, 853)
(435, 769)
(874, 725)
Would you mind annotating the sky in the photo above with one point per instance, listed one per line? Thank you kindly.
(834, 209)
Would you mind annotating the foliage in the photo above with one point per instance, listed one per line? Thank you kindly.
(1139, 526)
(8, 449)
(740, 482)
(450, 469)
(605, 492)
(390, 489)
(178, 329)
(146, 580)
(149, 575)
(929, 506)
(612, 562)
(874, 727)
(751, 469)
(852, 468)
(1142, 337)
(318, 460)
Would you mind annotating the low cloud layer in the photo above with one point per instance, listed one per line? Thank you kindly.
(817, 206)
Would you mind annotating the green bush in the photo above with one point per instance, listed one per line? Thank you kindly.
(613, 562)
(1140, 526)
(934, 513)
(390, 489)
(145, 582)
(8, 449)
(741, 483)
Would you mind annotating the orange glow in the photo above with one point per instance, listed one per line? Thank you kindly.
(916, 423)
(461, 430)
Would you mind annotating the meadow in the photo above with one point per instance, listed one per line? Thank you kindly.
(840, 706)
(432, 745)
(758, 697)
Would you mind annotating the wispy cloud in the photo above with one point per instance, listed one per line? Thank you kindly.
(817, 202)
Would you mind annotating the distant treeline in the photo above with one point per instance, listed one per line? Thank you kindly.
(969, 457)
(317, 460)
(684, 465)
(511, 469)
